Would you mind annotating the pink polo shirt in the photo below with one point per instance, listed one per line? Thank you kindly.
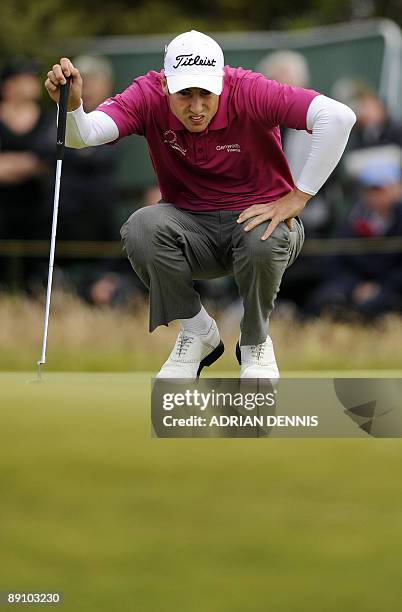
(237, 161)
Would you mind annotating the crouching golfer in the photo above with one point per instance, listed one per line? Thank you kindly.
(229, 202)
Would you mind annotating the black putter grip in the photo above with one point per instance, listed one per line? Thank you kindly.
(61, 123)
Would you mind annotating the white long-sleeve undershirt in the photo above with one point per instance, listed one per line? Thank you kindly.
(330, 122)
(89, 129)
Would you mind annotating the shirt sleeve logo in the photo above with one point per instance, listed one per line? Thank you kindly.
(170, 138)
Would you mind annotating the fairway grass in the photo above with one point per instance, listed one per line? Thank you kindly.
(119, 521)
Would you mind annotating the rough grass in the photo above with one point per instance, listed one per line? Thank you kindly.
(83, 338)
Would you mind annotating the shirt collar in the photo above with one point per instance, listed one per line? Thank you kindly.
(220, 120)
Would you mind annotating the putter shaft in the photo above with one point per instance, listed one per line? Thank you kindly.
(61, 132)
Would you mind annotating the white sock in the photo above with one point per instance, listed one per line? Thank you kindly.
(200, 324)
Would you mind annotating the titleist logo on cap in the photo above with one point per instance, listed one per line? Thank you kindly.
(189, 60)
(193, 59)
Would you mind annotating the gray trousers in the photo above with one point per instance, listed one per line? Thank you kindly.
(169, 248)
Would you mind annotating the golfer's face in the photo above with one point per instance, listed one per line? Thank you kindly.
(194, 107)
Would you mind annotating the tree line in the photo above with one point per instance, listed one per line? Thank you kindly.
(33, 27)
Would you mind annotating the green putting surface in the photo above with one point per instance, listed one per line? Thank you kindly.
(94, 507)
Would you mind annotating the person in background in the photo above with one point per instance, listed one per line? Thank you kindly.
(118, 286)
(374, 127)
(368, 284)
(152, 195)
(376, 135)
(27, 152)
(319, 218)
(89, 196)
(290, 67)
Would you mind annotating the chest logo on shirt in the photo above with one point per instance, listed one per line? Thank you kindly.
(170, 137)
(230, 148)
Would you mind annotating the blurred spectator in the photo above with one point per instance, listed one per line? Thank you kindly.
(286, 66)
(319, 216)
(88, 195)
(118, 285)
(114, 288)
(152, 195)
(97, 82)
(368, 284)
(292, 68)
(374, 126)
(374, 135)
(27, 150)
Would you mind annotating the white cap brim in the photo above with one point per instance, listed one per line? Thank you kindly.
(184, 81)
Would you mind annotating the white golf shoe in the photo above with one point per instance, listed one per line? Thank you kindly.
(191, 353)
(258, 361)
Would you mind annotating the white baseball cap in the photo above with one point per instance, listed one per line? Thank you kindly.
(194, 59)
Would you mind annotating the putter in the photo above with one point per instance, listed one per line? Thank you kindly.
(61, 133)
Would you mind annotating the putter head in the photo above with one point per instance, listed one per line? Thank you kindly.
(39, 364)
(39, 378)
